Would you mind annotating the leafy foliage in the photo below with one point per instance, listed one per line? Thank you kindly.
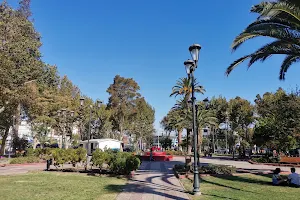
(278, 124)
(166, 142)
(217, 169)
(99, 158)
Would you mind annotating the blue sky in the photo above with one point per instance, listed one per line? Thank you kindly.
(92, 41)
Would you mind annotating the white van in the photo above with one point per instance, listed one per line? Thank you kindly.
(101, 144)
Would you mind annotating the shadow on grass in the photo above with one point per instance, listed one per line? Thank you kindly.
(220, 197)
(246, 179)
(226, 186)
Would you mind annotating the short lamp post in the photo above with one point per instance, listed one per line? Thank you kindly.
(190, 66)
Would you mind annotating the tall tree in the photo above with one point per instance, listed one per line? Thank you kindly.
(123, 93)
(242, 116)
(279, 20)
(142, 120)
(278, 123)
(19, 60)
(183, 88)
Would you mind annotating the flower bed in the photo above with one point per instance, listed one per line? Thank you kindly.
(183, 171)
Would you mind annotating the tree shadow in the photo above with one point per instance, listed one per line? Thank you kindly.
(178, 188)
(246, 180)
(220, 197)
(164, 177)
(143, 189)
(226, 186)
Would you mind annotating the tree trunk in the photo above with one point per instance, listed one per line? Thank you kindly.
(35, 142)
(179, 140)
(121, 132)
(2, 149)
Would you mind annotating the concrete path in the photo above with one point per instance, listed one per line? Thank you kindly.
(155, 181)
(21, 169)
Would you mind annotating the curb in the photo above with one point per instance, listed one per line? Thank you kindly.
(272, 164)
(187, 192)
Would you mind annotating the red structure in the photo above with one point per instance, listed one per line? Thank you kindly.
(155, 148)
(157, 156)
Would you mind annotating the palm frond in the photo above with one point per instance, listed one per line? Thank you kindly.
(236, 63)
(260, 25)
(273, 9)
(288, 61)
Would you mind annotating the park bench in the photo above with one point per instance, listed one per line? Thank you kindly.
(290, 160)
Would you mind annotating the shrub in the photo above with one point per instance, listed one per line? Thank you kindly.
(30, 152)
(23, 160)
(60, 157)
(181, 169)
(123, 162)
(37, 152)
(81, 152)
(118, 163)
(266, 159)
(217, 169)
(169, 152)
(99, 158)
(42, 153)
(173, 152)
(132, 163)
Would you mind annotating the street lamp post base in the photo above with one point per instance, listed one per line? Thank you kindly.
(196, 193)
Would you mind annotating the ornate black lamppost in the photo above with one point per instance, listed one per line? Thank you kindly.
(190, 66)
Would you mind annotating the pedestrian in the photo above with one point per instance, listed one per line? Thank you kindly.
(294, 178)
(151, 155)
(277, 179)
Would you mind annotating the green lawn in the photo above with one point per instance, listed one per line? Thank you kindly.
(54, 185)
(250, 187)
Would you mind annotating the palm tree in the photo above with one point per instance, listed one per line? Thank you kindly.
(279, 20)
(171, 122)
(183, 87)
(184, 121)
(205, 118)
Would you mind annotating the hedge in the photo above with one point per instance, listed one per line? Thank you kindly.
(23, 160)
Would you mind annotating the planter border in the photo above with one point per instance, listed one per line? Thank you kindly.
(274, 164)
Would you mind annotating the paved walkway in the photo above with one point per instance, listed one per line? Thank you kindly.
(21, 169)
(155, 181)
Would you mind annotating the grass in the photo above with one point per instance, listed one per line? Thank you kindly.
(53, 185)
(242, 187)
